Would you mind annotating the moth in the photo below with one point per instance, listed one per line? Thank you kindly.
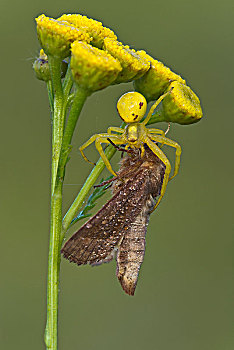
(119, 227)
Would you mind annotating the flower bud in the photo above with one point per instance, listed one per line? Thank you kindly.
(93, 69)
(56, 37)
(91, 26)
(156, 80)
(132, 64)
(180, 106)
(41, 67)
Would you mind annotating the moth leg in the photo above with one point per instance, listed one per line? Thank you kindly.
(156, 150)
(171, 143)
(104, 139)
(114, 128)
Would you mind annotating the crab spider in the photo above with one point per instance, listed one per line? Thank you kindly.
(132, 107)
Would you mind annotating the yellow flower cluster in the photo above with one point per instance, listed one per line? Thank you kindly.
(133, 65)
(93, 69)
(96, 30)
(98, 60)
(56, 37)
(120, 62)
(154, 83)
(181, 105)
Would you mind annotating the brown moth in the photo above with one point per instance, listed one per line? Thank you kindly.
(120, 225)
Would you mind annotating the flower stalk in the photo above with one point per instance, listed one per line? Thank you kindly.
(57, 127)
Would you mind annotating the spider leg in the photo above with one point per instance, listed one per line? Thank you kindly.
(166, 141)
(103, 138)
(156, 131)
(154, 148)
(154, 107)
(86, 144)
(142, 150)
(114, 128)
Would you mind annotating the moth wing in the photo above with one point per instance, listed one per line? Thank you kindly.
(97, 239)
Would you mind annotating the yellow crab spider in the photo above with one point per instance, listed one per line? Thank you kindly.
(132, 107)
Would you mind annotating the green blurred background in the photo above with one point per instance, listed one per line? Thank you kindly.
(184, 295)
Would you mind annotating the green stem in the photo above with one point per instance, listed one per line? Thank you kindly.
(110, 151)
(60, 148)
(51, 331)
(58, 115)
(68, 82)
(78, 102)
(51, 98)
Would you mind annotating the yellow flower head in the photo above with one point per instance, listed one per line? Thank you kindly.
(91, 26)
(133, 65)
(156, 80)
(93, 69)
(56, 37)
(181, 106)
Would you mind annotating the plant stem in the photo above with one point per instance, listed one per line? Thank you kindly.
(58, 117)
(78, 102)
(110, 151)
(50, 97)
(60, 149)
(68, 82)
(51, 331)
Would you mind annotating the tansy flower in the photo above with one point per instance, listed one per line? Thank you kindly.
(56, 37)
(132, 64)
(156, 80)
(93, 69)
(180, 106)
(96, 30)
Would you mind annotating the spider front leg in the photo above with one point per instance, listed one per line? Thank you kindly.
(91, 140)
(114, 128)
(156, 131)
(156, 150)
(103, 138)
(169, 142)
(86, 144)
